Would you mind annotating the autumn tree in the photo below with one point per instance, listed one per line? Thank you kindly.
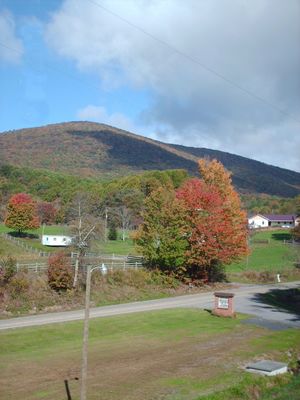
(60, 272)
(213, 173)
(212, 241)
(21, 213)
(161, 237)
(46, 212)
(197, 229)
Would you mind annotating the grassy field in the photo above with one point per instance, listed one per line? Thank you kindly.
(111, 246)
(275, 256)
(33, 240)
(48, 230)
(115, 247)
(171, 355)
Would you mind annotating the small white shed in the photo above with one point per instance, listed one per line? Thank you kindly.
(56, 240)
(258, 221)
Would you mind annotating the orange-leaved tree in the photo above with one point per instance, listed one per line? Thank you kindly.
(214, 173)
(21, 213)
(216, 225)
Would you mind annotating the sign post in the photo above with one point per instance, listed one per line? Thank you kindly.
(223, 304)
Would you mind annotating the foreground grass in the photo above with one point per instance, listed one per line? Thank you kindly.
(171, 354)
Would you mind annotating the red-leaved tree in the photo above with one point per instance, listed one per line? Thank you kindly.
(46, 212)
(21, 213)
(216, 225)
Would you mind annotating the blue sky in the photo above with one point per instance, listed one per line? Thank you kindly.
(153, 67)
(44, 88)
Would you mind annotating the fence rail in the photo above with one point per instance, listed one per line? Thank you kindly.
(107, 263)
(33, 267)
(26, 246)
(112, 261)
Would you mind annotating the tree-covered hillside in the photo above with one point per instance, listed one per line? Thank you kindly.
(86, 149)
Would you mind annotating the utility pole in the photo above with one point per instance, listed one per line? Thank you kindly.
(85, 335)
(84, 365)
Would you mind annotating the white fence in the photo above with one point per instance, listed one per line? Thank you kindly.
(110, 262)
(33, 267)
(26, 246)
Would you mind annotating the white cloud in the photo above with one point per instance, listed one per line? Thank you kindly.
(11, 48)
(255, 44)
(100, 114)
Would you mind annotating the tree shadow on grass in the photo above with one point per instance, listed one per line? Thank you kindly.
(281, 236)
(23, 235)
(283, 300)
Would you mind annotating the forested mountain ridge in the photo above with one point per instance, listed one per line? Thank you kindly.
(89, 149)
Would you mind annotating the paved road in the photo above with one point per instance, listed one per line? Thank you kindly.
(246, 301)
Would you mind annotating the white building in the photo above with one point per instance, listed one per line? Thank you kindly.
(56, 240)
(271, 220)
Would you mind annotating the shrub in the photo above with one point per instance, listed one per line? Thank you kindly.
(8, 269)
(19, 285)
(60, 272)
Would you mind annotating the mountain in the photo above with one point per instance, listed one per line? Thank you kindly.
(89, 149)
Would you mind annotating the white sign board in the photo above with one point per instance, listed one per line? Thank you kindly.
(223, 303)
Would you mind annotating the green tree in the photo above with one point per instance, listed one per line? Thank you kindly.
(161, 237)
(112, 233)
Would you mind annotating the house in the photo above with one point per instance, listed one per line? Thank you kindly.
(56, 240)
(272, 220)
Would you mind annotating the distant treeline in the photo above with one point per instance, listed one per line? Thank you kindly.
(62, 189)
(129, 191)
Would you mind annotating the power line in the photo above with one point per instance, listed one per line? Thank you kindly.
(194, 60)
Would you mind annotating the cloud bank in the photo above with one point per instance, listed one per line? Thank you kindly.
(11, 48)
(253, 44)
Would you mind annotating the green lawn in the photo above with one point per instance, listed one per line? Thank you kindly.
(111, 246)
(114, 247)
(33, 239)
(48, 230)
(171, 354)
(273, 256)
